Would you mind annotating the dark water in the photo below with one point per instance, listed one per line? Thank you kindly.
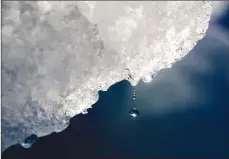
(184, 113)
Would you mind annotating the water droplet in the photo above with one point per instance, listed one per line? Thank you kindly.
(134, 94)
(134, 112)
(29, 141)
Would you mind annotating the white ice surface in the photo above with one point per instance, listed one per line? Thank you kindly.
(57, 55)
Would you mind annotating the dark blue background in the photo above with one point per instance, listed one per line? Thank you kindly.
(196, 128)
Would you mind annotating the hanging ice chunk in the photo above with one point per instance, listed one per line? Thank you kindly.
(29, 141)
(147, 78)
(85, 111)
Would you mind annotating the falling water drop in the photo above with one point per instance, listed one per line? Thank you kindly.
(134, 94)
(134, 113)
(29, 141)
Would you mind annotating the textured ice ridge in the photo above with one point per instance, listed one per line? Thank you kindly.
(57, 55)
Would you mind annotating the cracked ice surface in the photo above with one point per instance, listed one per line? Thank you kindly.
(57, 55)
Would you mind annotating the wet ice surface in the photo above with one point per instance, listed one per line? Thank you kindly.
(57, 55)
